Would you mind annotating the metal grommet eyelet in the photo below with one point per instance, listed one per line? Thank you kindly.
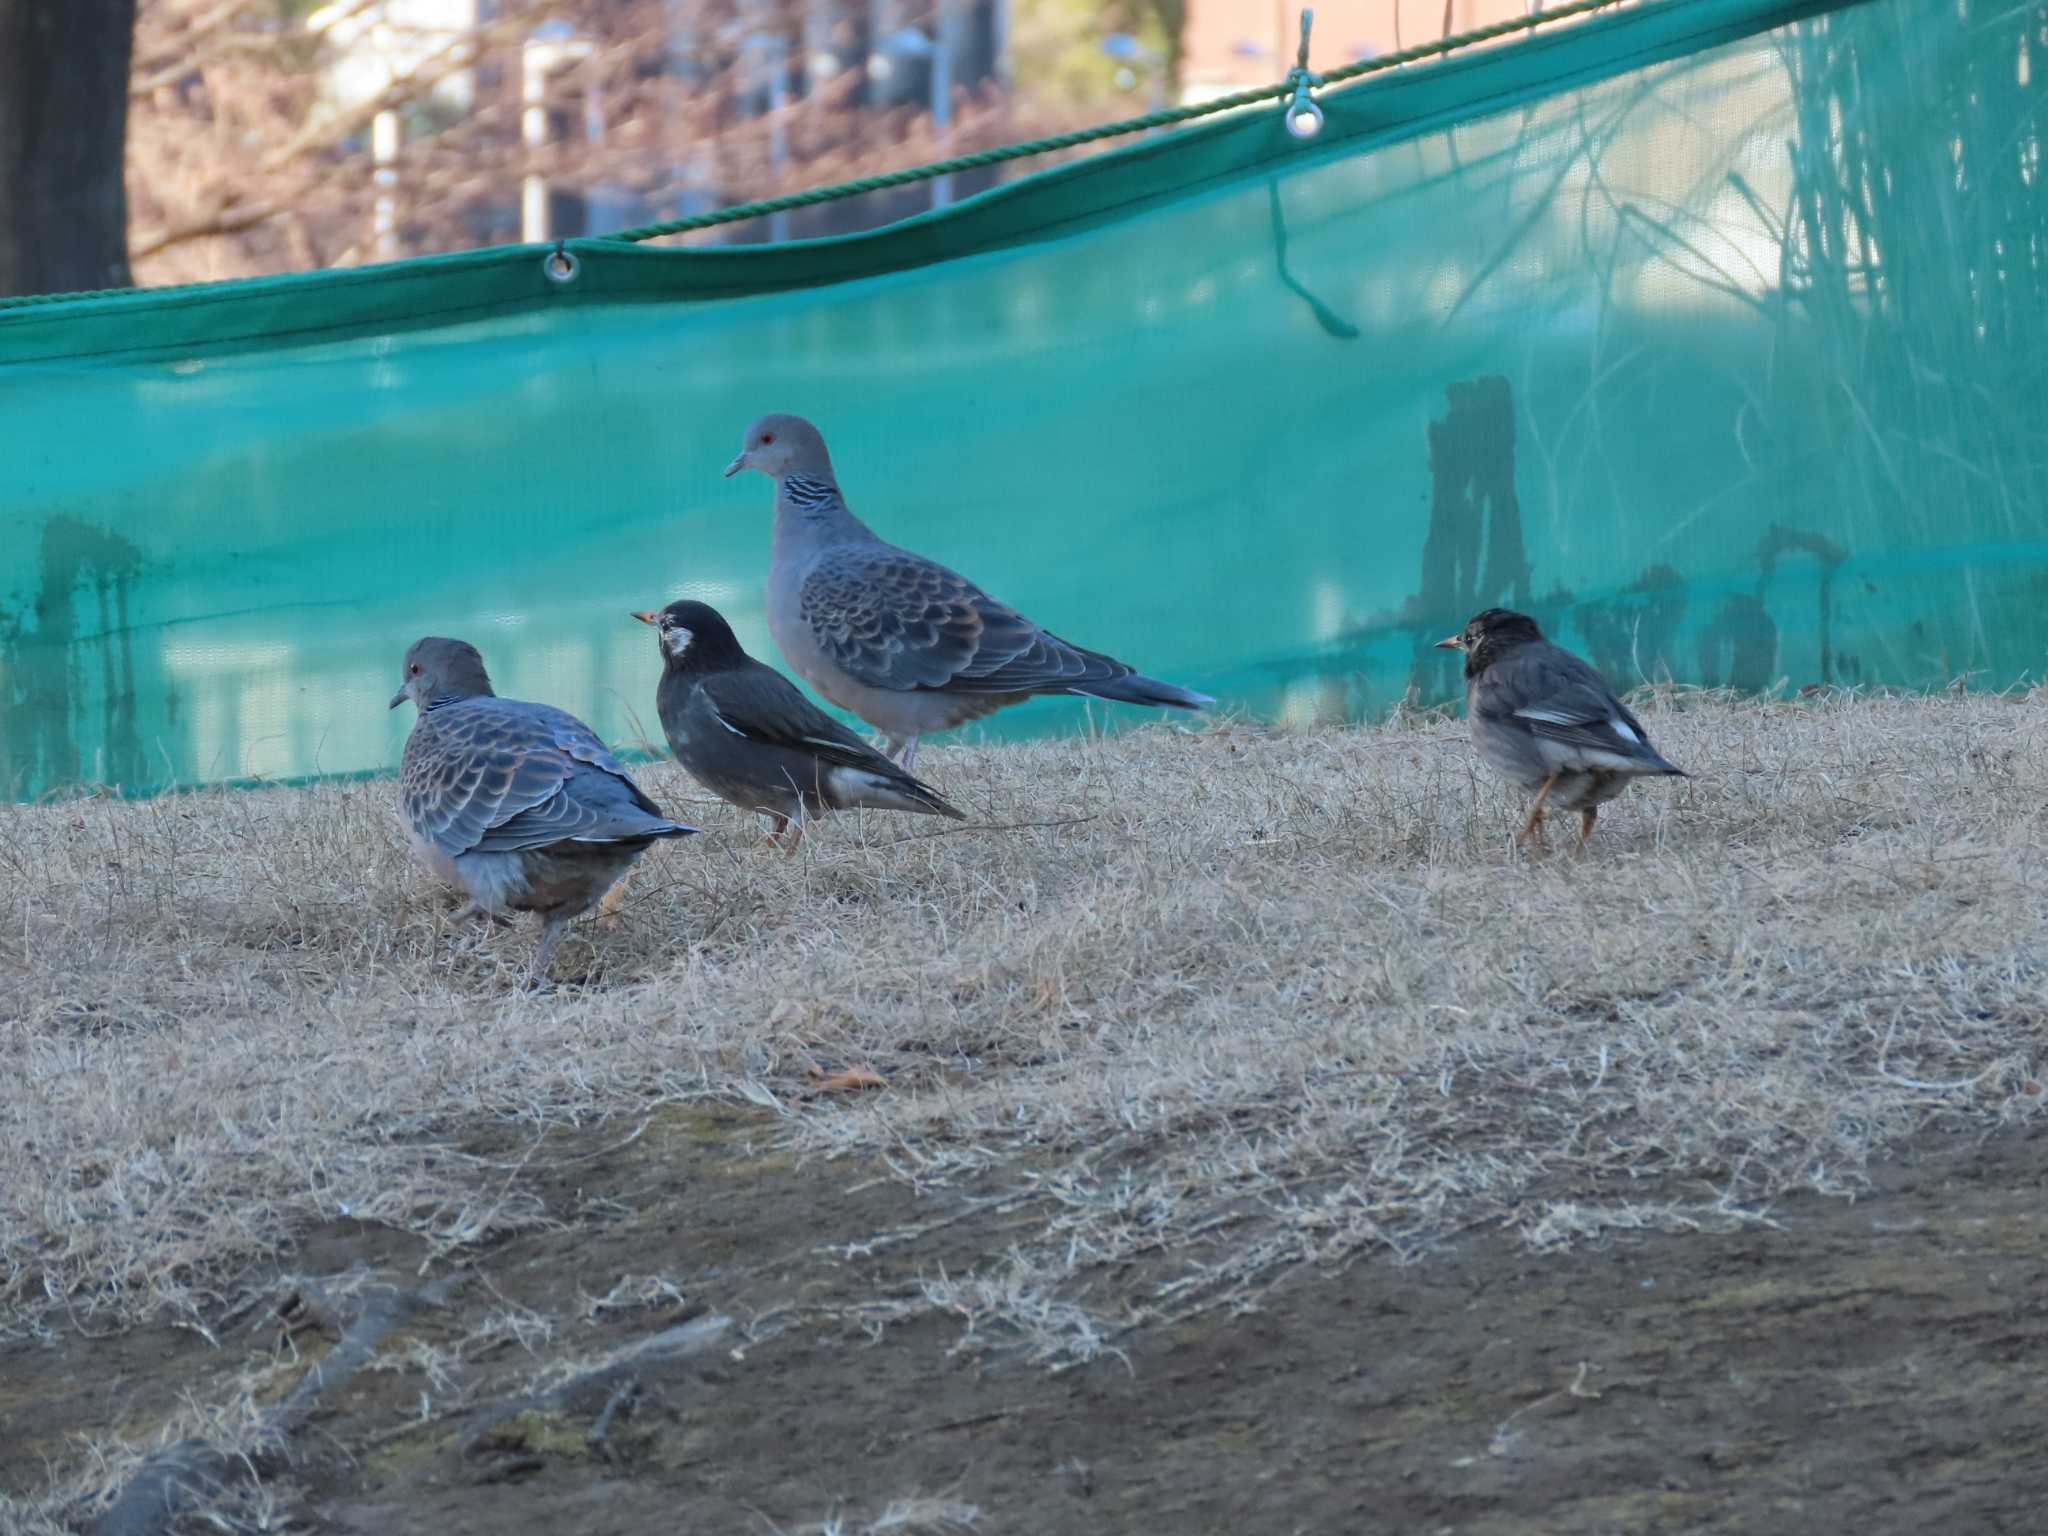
(561, 265)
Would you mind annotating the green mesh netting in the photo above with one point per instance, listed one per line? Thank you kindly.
(1711, 331)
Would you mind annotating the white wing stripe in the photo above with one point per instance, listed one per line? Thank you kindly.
(1559, 717)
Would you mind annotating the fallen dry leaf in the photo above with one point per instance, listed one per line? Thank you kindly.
(847, 1079)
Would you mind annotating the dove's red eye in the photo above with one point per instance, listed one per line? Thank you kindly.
(767, 438)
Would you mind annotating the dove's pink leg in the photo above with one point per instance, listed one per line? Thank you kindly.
(550, 935)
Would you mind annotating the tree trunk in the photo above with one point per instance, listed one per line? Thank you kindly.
(63, 130)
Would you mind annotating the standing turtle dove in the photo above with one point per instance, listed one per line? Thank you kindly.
(517, 804)
(904, 643)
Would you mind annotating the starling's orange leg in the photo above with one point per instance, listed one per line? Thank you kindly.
(787, 828)
(1586, 819)
(1531, 835)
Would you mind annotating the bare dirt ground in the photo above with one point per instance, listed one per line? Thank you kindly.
(1260, 1145)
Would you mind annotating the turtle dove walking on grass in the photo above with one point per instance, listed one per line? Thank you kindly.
(904, 643)
(519, 805)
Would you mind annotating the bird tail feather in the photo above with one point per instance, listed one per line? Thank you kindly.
(1137, 689)
(892, 792)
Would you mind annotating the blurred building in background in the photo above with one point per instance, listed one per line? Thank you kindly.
(769, 59)
(286, 134)
(1232, 45)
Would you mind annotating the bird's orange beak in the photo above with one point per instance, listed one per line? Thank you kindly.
(648, 618)
(1450, 643)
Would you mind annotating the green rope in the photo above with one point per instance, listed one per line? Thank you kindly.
(66, 295)
(1165, 118)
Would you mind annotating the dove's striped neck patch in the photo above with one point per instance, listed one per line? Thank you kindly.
(808, 495)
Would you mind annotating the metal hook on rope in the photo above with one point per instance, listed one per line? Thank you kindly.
(1304, 118)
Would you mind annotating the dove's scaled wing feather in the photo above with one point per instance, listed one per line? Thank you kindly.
(494, 775)
(892, 619)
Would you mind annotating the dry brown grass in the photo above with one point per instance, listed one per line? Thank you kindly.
(1217, 1002)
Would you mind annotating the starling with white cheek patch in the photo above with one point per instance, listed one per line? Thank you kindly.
(1543, 719)
(748, 734)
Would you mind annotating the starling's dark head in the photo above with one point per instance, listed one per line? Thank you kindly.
(1490, 635)
(692, 629)
(439, 671)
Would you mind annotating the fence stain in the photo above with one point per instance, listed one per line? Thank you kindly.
(47, 672)
(1473, 555)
